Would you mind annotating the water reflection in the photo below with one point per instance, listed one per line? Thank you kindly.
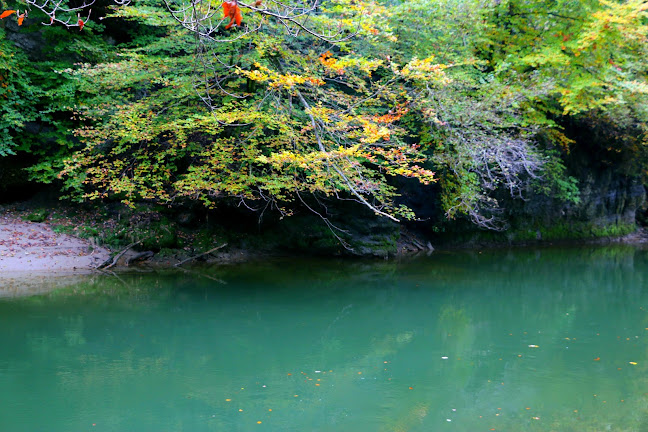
(512, 340)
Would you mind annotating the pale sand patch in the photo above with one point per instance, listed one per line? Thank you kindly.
(28, 248)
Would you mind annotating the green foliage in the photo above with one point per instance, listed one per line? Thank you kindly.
(555, 182)
(16, 96)
(590, 54)
(41, 98)
(472, 93)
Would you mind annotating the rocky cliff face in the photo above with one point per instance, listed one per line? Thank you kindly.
(607, 161)
(607, 199)
(608, 206)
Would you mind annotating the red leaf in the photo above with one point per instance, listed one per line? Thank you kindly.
(81, 24)
(6, 13)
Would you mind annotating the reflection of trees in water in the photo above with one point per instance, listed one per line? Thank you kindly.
(188, 343)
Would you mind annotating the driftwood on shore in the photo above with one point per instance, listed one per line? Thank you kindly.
(110, 262)
(199, 255)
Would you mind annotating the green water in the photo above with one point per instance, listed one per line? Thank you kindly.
(536, 340)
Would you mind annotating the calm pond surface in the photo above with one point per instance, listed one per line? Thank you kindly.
(526, 340)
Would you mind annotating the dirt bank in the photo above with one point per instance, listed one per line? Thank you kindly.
(35, 247)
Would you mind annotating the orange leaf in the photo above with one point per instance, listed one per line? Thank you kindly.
(232, 10)
(6, 13)
(20, 19)
(597, 359)
(238, 17)
(226, 9)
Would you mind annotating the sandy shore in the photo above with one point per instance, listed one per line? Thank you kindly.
(28, 247)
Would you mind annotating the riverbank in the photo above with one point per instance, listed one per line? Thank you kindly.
(47, 239)
(62, 240)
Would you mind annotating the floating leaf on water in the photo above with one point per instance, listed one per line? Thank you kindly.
(597, 359)
(633, 363)
(534, 346)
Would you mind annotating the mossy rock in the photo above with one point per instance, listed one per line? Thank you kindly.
(39, 215)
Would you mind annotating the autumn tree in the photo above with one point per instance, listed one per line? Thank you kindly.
(286, 115)
(276, 104)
